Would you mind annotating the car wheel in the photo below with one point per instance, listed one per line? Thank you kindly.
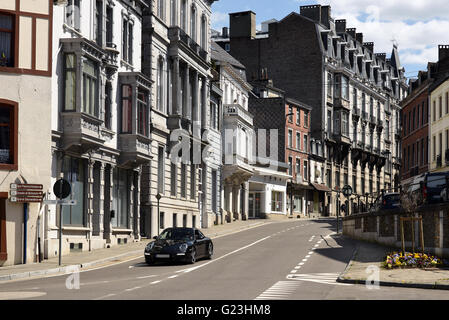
(193, 256)
(210, 251)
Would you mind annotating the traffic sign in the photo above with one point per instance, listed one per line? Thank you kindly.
(61, 202)
(347, 190)
(62, 188)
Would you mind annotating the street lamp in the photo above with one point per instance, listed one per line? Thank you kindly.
(158, 197)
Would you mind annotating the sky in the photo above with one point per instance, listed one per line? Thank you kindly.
(416, 26)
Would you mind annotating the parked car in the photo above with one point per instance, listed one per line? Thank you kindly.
(179, 244)
(429, 188)
(387, 201)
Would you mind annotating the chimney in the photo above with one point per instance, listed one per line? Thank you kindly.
(312, 12)
(326, 15)
(443, 52)
(369, 46)
(340, 26)
(359, 37)
(242, 24)
(351, 32)
(225, 32)
(381, 56)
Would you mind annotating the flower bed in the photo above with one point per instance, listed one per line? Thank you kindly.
(412, 260)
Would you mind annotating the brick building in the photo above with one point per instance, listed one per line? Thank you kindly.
(353, 92)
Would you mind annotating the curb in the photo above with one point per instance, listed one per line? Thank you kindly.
(65, 269)
(341, 278)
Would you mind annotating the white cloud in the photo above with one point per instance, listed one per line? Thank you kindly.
(218, 18)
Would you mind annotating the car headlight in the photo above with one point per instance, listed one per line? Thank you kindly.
(149, 246)
(183, 247)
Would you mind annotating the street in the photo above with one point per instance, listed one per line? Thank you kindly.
(288, 260)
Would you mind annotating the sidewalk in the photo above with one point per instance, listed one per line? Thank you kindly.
(369, 254)
(102, 257)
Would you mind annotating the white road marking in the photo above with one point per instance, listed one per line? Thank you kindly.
(304, 260)
(132, 289)
(146, 277)
(280, 290)
(157, 281)
(172, 277)
(106, 296)
(301, 263)
(323, 278)
(308, 256)
(310, 252)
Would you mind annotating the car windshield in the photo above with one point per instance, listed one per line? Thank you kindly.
(177, 234)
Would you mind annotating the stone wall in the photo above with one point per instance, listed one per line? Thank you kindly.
(385, 228)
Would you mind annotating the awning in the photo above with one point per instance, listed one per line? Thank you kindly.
(320, 187)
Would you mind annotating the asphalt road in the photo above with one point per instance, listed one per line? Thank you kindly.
(292, 260)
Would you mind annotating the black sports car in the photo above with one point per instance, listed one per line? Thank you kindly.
(179, 244)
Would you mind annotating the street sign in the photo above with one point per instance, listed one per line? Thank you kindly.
(62, 188)
(23, 192)
(61, 202)
(347, 190)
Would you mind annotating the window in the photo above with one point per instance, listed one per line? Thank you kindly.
(160, 9)
(213, 116)
(329, 85)
(298, 118)
(183, 180)
(306, 119)
(173, 12)
(363, 102)
(8, 136)
(290, 166)
(173, 181)
(192, 181)
(440, 106)
(193, 221)
(290, 114)
(70, 82)
(120, 199)
(161, 220)
(354, 97)
(344, 87)
(72, 14)
(276, 201)
(354, 183)
(193, 23)
(175, 220)
(142, 112)
(127, 40)
(109, 26)
(108, 105)
(203, 32)
(126, 113)
(161, 170)
(305, 144)
(298, 140)
(90, 88)
(214, 191)
(298, 167)
(337, 178)
(183, 14)
(434, 111)
(434, 148)
(160, 85)
(74, 172)
(7, 38)
(184, 220)
(447, 102)
(305, 171)
(345, 124)
(98, 22)
(290, 142)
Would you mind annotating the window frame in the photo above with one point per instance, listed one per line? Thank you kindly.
(13, 48)
(13, 136)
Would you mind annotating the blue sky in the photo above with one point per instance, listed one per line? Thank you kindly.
(416, 26)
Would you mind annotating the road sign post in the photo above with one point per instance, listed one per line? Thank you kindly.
(62, 190)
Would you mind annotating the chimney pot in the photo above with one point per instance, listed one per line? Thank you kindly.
(443, 52)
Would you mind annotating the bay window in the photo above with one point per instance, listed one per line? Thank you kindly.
(90, 88)
(142, 112)
(126, 114)
(70, 82)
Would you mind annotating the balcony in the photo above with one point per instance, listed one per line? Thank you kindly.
(81, 132)
(341, 103)
(236, 111)
(135, 149)
(110, 58)
(181, 39)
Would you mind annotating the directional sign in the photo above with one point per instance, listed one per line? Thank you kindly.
(61, 202)
(23, 193)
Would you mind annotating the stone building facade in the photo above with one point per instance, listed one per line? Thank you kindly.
(354, 93)
(176, 56)
(100, 123)
(25, 108)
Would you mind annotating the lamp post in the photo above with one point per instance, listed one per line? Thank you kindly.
(158, 197)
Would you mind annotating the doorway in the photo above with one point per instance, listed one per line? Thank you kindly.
(254, 205)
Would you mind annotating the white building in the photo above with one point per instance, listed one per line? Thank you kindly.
(176, 46)
(100, 122)
(25, 105)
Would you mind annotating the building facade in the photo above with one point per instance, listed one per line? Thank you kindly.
(25, 109)
(100, 123)
(354, 93)
(237, 132)
(176, 49)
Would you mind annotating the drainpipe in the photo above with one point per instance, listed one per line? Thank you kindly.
(25, 218)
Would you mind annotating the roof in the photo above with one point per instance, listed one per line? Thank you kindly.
(219, 54)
